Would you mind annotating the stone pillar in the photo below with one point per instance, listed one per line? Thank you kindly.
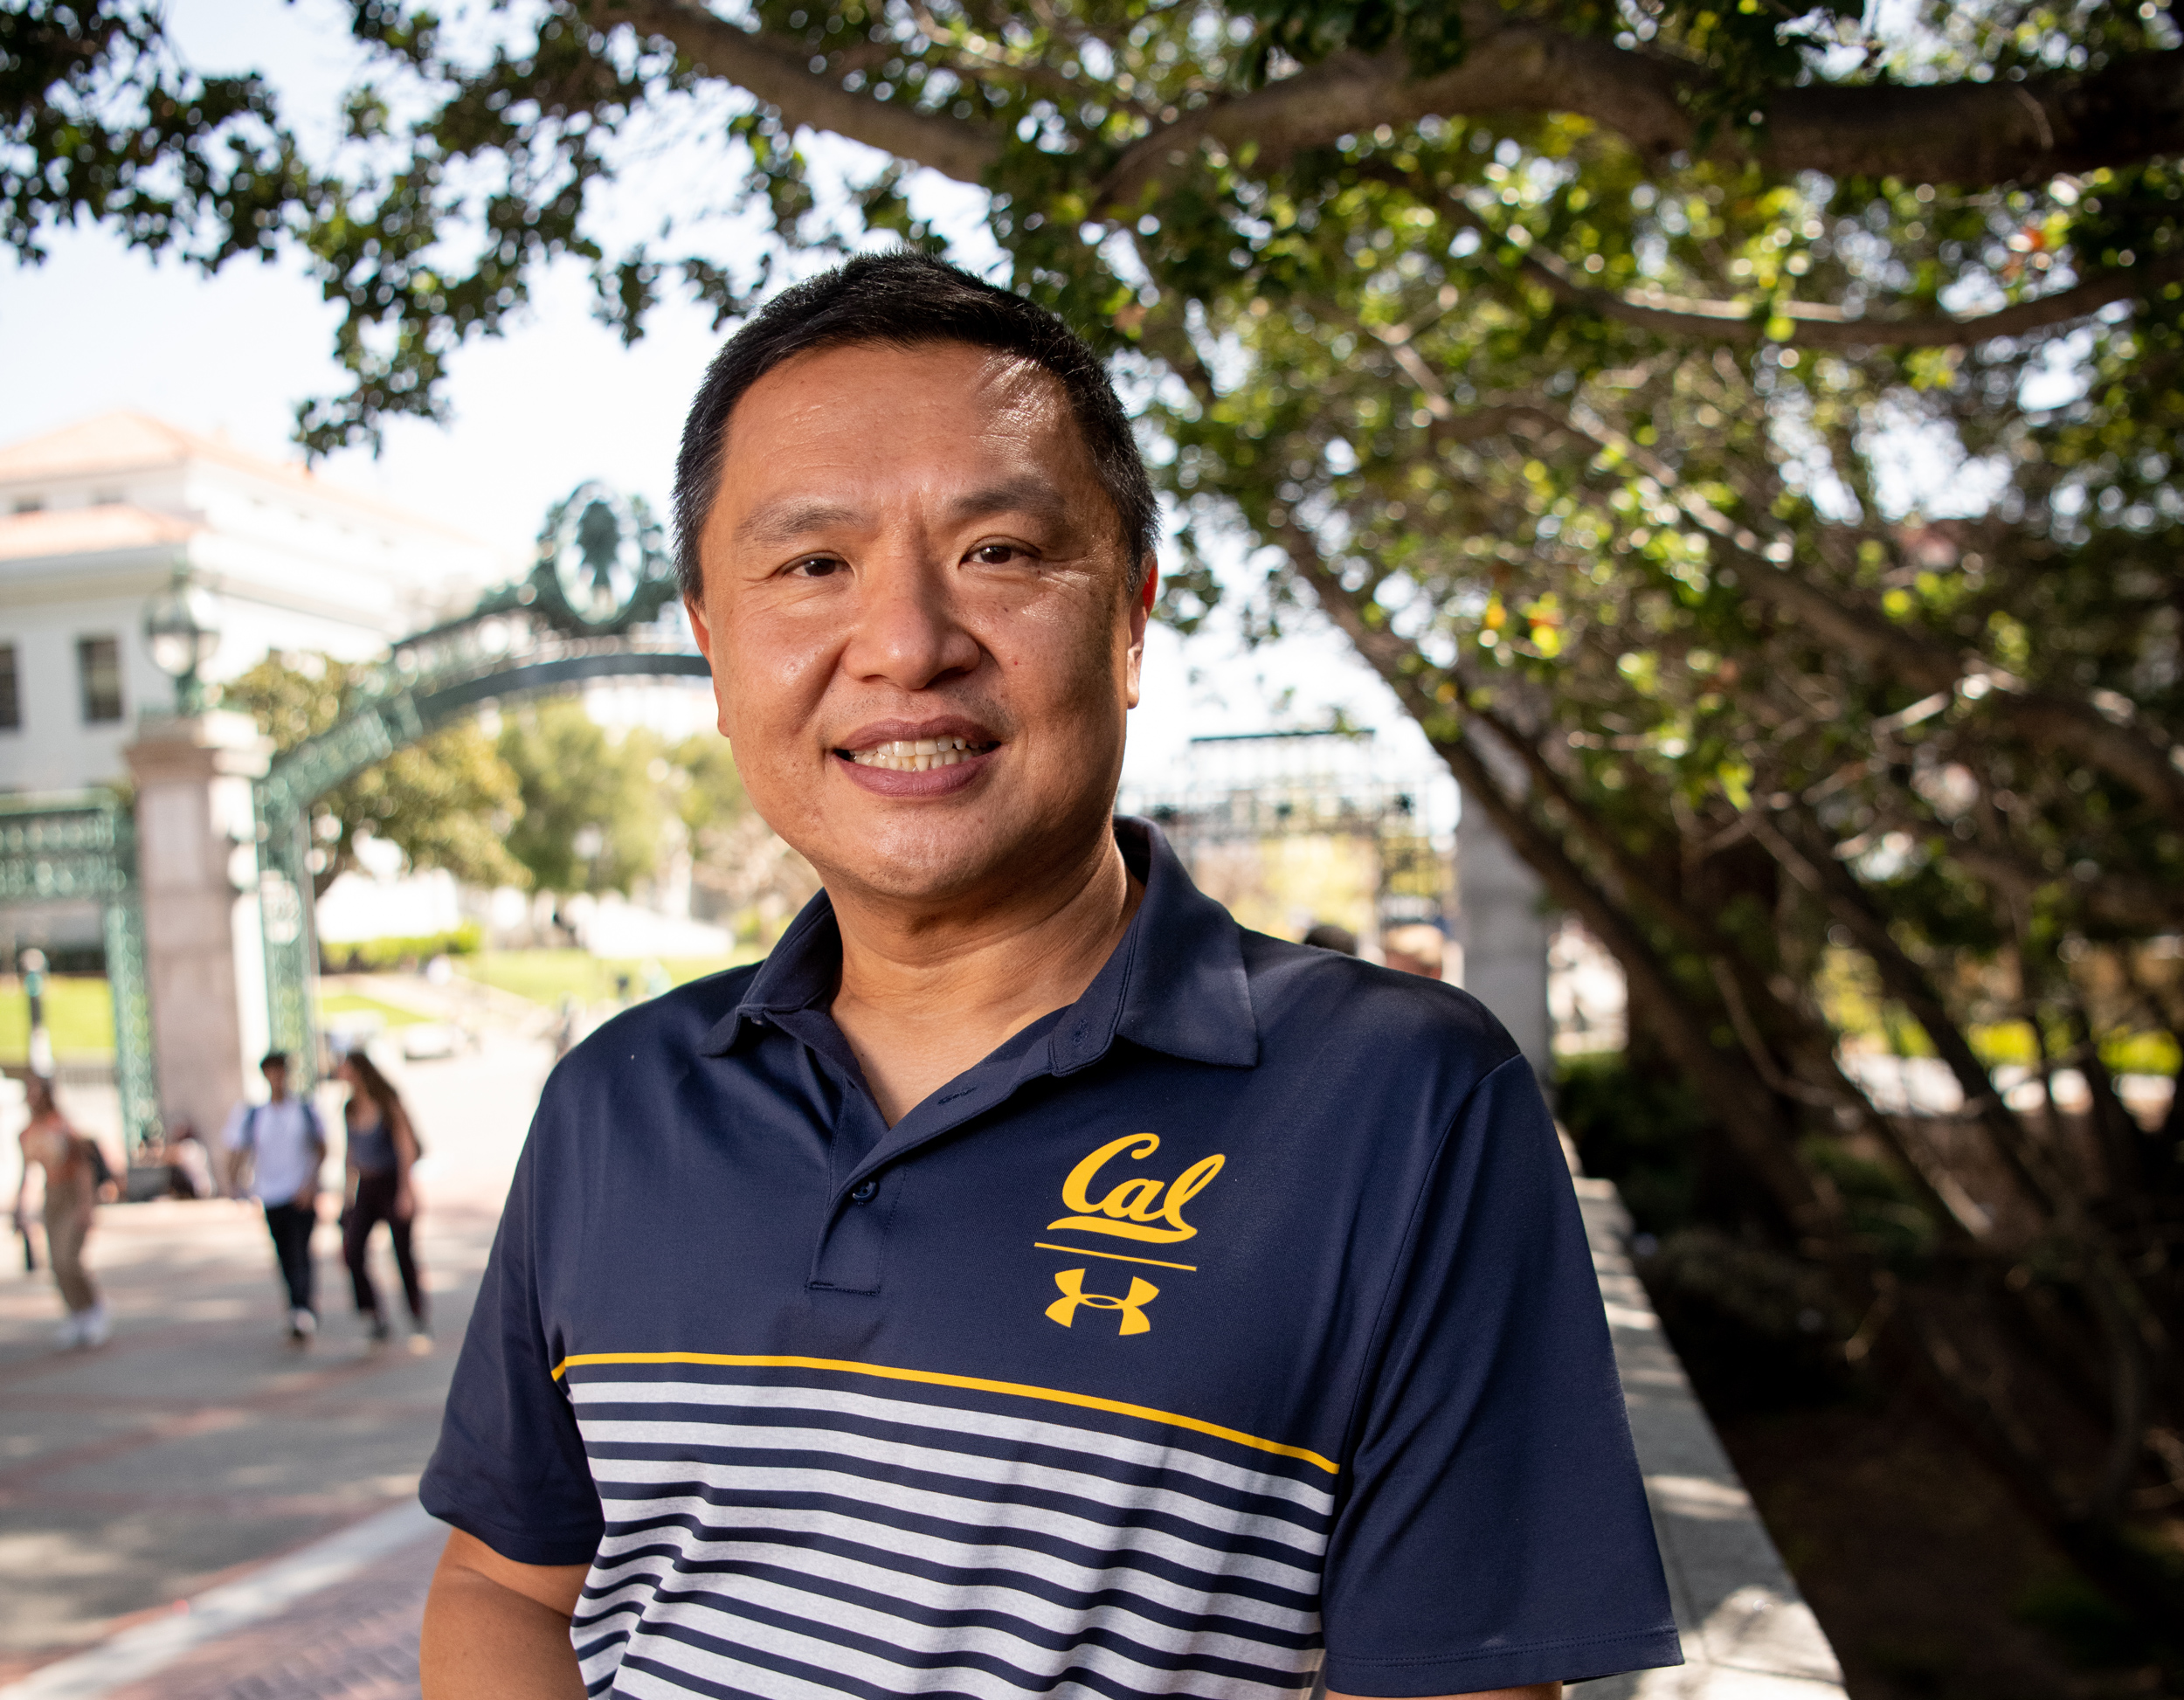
(196, 867)
(1503, 927)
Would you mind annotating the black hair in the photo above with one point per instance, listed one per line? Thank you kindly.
(376, 1087)
(271, 1058)
(906, 300)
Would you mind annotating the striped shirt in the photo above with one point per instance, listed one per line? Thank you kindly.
(1228, 1331)
(806, 1530)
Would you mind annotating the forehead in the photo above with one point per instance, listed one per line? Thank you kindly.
(860, 412)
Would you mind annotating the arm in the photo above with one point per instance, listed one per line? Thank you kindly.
(308, 1197)
(404, 1155)
(498, 1630)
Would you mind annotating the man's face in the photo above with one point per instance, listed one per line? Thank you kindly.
(276, 1076)
(916, 607)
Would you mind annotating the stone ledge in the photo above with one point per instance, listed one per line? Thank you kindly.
(1747, 1634)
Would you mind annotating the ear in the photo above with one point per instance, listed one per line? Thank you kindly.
(702, 633)
(1140, 613)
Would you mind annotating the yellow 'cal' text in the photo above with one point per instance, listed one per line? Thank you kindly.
(1132, 1208)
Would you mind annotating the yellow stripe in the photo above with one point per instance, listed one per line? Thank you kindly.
(1113, 1256)
(934, 1378)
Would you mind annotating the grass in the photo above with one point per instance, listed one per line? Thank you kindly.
(547, 977)
(78, 1015)
(354, 1003)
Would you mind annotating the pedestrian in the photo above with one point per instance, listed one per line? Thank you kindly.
(282, 1144)
(381, 1161)
(70, 1163)
(1026, 1280)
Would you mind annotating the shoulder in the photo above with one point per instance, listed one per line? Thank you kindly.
(1303, 997)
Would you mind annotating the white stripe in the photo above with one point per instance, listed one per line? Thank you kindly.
(953, 1419)
(735, 1483)
(1005, 1472)
(933, 1549)
(895, 1678)
(917, 1591)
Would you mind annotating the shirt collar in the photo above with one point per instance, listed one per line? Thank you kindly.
(1176, 983)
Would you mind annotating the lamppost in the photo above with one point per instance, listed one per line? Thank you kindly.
(183, 633)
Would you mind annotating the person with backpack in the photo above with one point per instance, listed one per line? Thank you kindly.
(72, 1163)
(283, 1145)
(382, 1149)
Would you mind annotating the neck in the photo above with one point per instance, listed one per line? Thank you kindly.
(924, 995)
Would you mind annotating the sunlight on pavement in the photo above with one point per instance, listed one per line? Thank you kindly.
(198, 1445)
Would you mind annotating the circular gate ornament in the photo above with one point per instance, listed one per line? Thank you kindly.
(600, 567)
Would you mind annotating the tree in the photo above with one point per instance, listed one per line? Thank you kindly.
(444, 802)
(1564, 357)
(751, 874)
(591, 815)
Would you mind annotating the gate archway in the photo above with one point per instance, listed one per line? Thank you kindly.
(589, 610)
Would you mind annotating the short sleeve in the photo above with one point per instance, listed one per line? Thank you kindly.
(1495, 1532)
(236, 1135)
(509, 1468)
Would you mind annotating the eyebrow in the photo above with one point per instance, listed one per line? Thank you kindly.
(786, 520)
(792, 517)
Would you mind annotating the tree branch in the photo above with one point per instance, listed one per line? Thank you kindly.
(1962, 131)
(2139, 757)
(1813, 324)
(780, 74)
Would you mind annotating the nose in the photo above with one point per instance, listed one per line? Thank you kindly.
(908, 631)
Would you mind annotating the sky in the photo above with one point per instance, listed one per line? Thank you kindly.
(535, 412)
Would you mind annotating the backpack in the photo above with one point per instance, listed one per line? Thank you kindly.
(310, 1120)
(95, 1154)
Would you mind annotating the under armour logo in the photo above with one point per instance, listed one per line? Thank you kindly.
(1064, 1310)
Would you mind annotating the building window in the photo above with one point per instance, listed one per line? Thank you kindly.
(10, 700)
(99, 671)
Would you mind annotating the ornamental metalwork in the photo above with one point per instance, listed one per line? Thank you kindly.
(1248, 787)
(597, 604)
(81, 847)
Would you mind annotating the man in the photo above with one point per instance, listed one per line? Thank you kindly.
(1026, 1280)
(282, 1144)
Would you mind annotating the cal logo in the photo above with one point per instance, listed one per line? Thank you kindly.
(1138, 1207)
(1131, 1304)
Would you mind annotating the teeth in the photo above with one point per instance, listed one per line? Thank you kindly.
(914, 755)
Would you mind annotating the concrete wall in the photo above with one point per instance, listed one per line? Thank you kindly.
(1747, 1634)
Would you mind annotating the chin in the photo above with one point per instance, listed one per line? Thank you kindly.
(945, 856)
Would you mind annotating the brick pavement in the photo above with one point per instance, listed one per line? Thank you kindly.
(197, 1447)
(354, 1641)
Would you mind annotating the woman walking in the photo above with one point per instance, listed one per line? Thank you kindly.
(382, 1149)
(72, 1183)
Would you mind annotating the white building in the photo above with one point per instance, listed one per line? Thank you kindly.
(96, 520)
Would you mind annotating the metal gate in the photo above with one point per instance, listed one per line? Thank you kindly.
(580, 615)
(82, 848)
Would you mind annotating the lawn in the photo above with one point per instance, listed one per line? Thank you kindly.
(78, 1015)
(547, 977)
(336, 1004)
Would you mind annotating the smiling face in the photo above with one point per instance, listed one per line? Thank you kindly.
(917, 609)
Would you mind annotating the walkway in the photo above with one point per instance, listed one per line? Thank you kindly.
(195, 1513)
(198, 1449)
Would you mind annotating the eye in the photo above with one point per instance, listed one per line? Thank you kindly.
(815, 566)
(1000, 555)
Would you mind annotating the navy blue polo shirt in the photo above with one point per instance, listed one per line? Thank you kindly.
(1231, 1327)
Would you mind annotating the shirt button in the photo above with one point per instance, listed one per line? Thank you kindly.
(865, 1190)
